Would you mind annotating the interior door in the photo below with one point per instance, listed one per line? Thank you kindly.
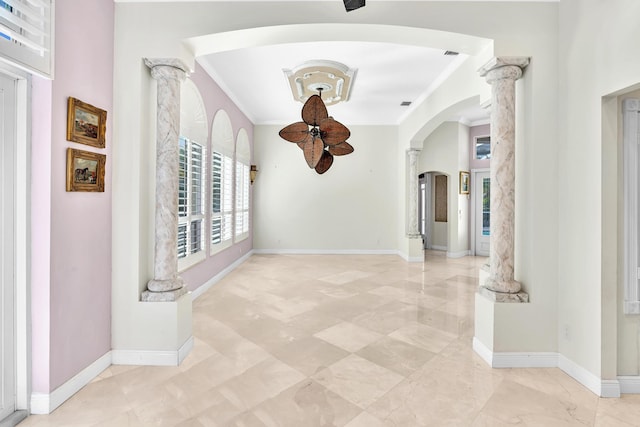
(482, 213)
(7, 246)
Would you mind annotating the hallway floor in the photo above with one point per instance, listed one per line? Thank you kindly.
(327, 340)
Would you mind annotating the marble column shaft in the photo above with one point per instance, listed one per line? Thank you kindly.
(169, 74)
(502, 74)
(412, 205)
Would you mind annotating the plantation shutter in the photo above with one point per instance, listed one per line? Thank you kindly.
(222, 182)
(25, 34)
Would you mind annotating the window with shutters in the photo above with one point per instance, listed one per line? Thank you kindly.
(192, 176)
(25, 34)
(221, 182)
(190, 198)
(243, 161)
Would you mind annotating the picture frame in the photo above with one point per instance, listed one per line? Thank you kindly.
(86, 124)
(85, 170)
(465, 178)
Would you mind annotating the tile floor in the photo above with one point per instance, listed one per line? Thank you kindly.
(356, 341)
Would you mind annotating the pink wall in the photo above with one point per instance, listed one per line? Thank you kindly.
(475, 131)
(215, 99)
(76, 276)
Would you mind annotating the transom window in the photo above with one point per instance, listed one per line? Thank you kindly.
(483, 147)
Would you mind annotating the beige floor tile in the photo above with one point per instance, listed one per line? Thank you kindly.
(358, 380)
(273, 345)
(365, 420)
(306, 404)
(348, 336)
(396, 355)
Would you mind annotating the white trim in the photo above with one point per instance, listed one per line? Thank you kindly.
(215, 279)
(329, 252)
(459, 254)
(600, 387)
(42, 403)
(631, 139)
(483, 351)
(629, 384)
(151, 357)
(474, 207)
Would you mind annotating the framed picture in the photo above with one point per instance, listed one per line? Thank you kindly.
(464, 182)
(85, 170)
(86, 124)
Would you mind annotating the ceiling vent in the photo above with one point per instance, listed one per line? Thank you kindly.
(405, 103)
(451, 53)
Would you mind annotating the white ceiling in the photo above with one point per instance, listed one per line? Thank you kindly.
(387, 74)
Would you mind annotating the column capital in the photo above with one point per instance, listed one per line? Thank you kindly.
(167, 68)
(504, 61)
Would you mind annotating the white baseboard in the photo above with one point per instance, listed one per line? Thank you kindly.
(327, 251)
(515, 359)
(600, 387)
(215, 279)
(459, 254)
(151, 357)
(42, 403)
(629, 384)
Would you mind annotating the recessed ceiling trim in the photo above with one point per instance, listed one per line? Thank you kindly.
(332, 78)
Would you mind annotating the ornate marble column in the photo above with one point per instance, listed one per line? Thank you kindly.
(413, 231)
(166, 285)
(502, 74)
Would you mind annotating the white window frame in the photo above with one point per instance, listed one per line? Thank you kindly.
(242, 194)
(222, 145)
(193, 130)
(631, 139)
(194, 209)
(475, 146)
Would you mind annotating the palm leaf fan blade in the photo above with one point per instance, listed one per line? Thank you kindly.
(314, 111)
(325, 162)
(341, 149)
(333, 132)
(295, 132)
(313, 151)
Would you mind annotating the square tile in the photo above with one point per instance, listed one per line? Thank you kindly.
(359, 381)
(348, 336)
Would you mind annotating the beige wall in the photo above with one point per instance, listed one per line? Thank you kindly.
(596, 40)
(351, 207)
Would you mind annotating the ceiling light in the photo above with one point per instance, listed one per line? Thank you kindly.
(353, 4)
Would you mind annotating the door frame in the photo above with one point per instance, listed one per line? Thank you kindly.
(474, 202)
(23, 231)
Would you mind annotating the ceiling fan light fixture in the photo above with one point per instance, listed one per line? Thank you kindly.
(353, 4)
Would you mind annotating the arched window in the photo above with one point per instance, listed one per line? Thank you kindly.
(222, 147)
(243, 162)
(191, 176)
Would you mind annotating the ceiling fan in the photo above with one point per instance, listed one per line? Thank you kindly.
(319, 136)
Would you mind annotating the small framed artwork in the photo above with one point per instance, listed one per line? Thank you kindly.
(464, 182)
(85, 170)
(86, 124)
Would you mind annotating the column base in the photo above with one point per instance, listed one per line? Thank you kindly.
(165, 285)
(166, 296)
(503, 296)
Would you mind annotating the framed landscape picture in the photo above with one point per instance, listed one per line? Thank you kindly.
(86, 124)
(464, 182)
(85, 170)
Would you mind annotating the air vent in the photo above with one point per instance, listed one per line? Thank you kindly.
(451, 53)
(405, 103)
